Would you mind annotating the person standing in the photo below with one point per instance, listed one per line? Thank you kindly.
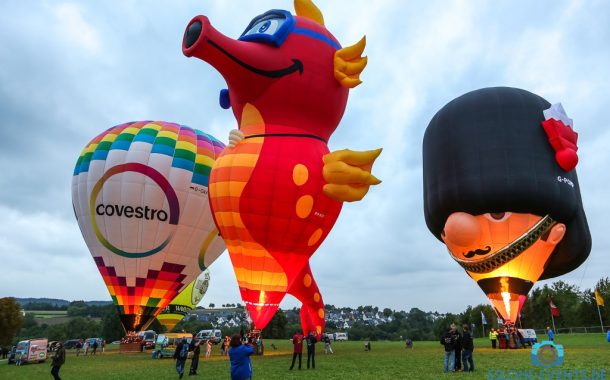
(79, 346)
(550, 333)
(297, 350)
(94, 347)
(208, 350)
(58, 360)
(311, 349)
(448, 342)
(467, 349)
(493, 337)
(86, 347)
(103, 345)
(327, 347)
(196, 348)
(458, 348)
(181, 353)
(239, 355)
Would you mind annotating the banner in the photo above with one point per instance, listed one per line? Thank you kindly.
(554, 309)
(483, 320)
(599, 299)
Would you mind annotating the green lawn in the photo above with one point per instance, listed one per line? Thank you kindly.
(387, 360)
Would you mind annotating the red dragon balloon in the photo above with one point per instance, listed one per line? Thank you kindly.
(276, 191)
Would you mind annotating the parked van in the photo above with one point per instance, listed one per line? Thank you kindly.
(166, 344)
(206, 335)
(31, 351)
(340, 336)
(529, 336)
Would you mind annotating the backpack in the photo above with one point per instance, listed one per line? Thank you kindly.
(184, 351)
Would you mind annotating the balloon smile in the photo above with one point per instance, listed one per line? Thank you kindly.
(511, 251)
(297, 65)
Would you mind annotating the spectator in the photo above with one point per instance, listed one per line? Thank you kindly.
(311, 349)
(208, 350)
(58, 360)
(367, 345)
(196, 348)
(408, 343)
(327, 347)
(79, 346)
(103, 345)
(458, 348)
(467, 349)
(297, 350)
(181, 353)
(493, 337)
(448, 342)
(239, 354)
(550, 333)
(608, 336)
(86, 347)
(94, 346)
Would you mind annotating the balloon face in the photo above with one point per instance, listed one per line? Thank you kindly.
(505, 253)
(186, 301)
(140, 195)
(501, 192)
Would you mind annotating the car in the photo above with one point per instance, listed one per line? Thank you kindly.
(71, 343)
(340, 336)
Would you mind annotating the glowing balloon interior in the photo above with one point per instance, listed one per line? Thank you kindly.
(276, 192)
(140, 195)
(185, 302)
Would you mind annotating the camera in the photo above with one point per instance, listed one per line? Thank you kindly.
(547, 354)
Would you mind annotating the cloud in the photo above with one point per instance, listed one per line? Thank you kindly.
(74, 27)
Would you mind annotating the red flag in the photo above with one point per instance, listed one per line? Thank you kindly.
(554, 308)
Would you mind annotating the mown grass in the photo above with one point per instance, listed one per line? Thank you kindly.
(387, 360)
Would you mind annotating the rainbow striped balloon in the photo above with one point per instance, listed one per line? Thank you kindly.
(140, 195)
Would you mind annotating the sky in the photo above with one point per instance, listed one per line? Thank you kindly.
(69, 70)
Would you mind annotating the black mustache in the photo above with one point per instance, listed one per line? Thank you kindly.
(479, 252)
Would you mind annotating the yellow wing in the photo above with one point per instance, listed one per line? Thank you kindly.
(348, 174)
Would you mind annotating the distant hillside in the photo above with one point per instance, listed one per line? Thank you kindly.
(57, 302)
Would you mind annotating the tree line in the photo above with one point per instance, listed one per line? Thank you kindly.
(578, 308)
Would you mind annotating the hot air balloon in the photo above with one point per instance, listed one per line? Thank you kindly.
(185, 302)
(276, 191)
(140, 195)
(501, 191)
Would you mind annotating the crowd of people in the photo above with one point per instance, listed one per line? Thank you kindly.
(509, 337)
(458, 349)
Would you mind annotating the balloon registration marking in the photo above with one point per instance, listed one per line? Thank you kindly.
(172, 198)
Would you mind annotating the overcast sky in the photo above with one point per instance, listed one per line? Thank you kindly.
(69, 70)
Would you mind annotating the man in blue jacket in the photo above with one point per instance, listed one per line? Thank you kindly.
(239, 354)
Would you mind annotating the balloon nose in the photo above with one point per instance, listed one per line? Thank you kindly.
(461, 229)
(192, 34)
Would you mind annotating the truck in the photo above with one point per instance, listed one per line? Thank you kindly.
(149, 337)
(31, 351)
(166, 344)
(206, 335)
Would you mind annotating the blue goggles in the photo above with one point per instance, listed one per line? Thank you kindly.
(272, 27)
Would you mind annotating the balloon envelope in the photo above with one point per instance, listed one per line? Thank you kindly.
(140, 195)
(185, 302)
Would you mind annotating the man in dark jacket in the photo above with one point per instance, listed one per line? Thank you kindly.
(58, 360)
(311, 349)
(458, 348)
(467, 347)
(181, 353)
(297, 343)
(448, 340)
(196, 348)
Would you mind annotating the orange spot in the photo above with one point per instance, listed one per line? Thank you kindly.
(319, 329)
(313, 239)
(300, 174)
(307, 280)
(321, 313)
(316, 297)
(304, 206)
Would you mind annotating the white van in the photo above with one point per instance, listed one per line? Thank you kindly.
(31, 351)
(340, 336)
(206, 335)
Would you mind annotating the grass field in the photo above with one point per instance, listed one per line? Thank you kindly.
(387, 360)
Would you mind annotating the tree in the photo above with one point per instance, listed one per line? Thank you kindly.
(276, 329)
(11, 320)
